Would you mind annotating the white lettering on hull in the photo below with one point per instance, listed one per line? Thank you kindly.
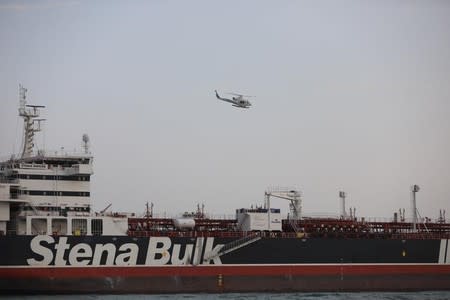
(110, 250)
(209, 249)
(186, 259)
(444, 252)
(160, 251)
(447, 259)
(130, 255)
(36, 247)
(80, 255)
(442, 249)
(198, 251)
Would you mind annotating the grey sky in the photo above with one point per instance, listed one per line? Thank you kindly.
(351, 95)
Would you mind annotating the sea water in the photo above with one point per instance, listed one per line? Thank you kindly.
(433, 295)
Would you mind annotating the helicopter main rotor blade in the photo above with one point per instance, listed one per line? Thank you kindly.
(236, 94)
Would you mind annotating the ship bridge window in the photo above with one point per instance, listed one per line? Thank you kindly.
(79, 227)
(97, 226)
(59, 226)
(38, 226)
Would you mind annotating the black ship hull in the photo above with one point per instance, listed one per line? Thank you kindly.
(114, 264)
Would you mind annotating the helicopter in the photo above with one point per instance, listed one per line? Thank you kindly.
(237, 101)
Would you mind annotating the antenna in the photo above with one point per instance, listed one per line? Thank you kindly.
(29, 113)
(414, 189)
(342, 195)
(352, 213)
(442, 216)
(85, 139)
(22, 99)
(148, 211)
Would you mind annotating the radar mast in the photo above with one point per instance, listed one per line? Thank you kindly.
(30, 115)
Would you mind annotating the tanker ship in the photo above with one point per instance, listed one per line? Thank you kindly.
(51, 240)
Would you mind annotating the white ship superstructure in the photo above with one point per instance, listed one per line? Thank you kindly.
(46, 192)
(55, 184)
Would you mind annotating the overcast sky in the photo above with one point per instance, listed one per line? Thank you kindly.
(351, 95)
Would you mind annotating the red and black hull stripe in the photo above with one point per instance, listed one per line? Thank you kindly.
(226, 278)
(267, 265)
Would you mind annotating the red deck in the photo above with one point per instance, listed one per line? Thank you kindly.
(339, 228)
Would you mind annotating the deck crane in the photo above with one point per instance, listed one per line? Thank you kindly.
(292, 195)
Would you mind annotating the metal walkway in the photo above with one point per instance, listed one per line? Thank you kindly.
(234, 245)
